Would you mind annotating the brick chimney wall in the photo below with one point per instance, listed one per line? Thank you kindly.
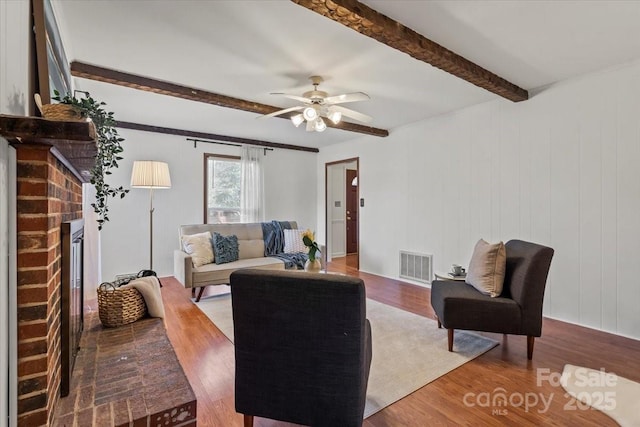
(48, 194)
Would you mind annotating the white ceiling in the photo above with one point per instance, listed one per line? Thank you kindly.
(247, 49)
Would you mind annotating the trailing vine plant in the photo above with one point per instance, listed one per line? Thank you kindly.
(109, 150)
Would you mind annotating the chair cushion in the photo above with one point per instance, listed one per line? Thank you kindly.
(199, 247)
(487, 267)
(460, 306)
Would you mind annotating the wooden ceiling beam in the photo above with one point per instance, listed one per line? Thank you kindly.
(211, 136)
(369, 22)
(106, 75)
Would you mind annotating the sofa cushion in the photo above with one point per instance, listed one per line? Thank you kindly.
(293, 242)
(199, 247)
(225, 248)
(213, 274)
(487, 268)
(250, 249)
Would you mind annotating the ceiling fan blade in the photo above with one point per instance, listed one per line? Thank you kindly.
(353, 114)
(310, 127)
(286, 110)
(346, 97)
(297, 98)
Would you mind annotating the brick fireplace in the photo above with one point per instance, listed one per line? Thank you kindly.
(53, 159)
(48, 193)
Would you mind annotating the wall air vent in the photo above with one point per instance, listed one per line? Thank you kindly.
(414, 266)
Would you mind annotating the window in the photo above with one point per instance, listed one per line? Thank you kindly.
(222, 189)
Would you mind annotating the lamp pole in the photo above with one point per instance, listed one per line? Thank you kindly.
(151, 228)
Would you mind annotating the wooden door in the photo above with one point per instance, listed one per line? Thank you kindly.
(352, 211)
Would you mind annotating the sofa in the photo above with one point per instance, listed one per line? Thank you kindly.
(251, 254)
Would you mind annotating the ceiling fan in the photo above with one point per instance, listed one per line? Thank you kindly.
(318, 105)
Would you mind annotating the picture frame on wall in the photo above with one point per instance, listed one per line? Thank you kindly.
(53, 71)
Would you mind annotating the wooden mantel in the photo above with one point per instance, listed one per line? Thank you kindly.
(74, 143)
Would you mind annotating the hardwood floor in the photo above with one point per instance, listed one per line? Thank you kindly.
(208, 361)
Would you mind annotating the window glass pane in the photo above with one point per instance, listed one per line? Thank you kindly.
(223, 190)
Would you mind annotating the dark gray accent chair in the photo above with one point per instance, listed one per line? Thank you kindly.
(518, 309)
(302, 347)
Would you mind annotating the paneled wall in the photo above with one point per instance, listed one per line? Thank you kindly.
(560, 169)
(14, 90)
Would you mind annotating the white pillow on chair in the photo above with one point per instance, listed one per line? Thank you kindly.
(487, 267)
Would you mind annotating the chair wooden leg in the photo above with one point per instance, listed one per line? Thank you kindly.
(439, 324)
(450, 336)
(193, 292)
(248, 420)
(200, 293)
(530, 341)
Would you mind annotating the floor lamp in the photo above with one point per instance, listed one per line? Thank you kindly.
(152, 175)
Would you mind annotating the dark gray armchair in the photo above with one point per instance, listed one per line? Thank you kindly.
(518, 310)
(302, 347)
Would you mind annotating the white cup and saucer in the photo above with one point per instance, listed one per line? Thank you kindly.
(457, 270)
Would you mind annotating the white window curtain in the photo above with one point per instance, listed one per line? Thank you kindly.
(252, 185)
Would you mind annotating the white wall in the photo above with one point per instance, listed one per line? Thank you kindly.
(92, 274)
(14, 89)
(336, 220)
(561, 169)
(14, 57)
(290, 194)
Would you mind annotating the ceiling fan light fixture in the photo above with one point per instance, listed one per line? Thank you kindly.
(297, 120)
(316, 107)
(335, 116)
(310, 114)
(320, 125)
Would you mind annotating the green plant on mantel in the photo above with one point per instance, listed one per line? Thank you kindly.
(109, 150)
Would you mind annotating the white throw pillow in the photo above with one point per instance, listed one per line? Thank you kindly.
(293, 242)
(199, 247)
(486, 268)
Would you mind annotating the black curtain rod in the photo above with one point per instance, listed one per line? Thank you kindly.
(196, 140)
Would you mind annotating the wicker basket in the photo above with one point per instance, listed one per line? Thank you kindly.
(117, 307)
(62, 112)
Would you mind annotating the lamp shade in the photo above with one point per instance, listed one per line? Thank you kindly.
(297, 119)
(320, 125)
(150, 174)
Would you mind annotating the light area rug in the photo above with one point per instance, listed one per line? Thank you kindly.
(409, 351)
(616, 396)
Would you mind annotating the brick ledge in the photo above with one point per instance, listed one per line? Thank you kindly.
(127, 376)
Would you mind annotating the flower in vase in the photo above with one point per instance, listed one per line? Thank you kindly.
(309, 241)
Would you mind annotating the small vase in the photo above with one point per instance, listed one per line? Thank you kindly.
(312, 266)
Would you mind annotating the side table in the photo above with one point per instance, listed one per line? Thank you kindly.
(448, 276)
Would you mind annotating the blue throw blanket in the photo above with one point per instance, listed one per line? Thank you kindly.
(296, 260)
(273, 237)
(274, 244)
